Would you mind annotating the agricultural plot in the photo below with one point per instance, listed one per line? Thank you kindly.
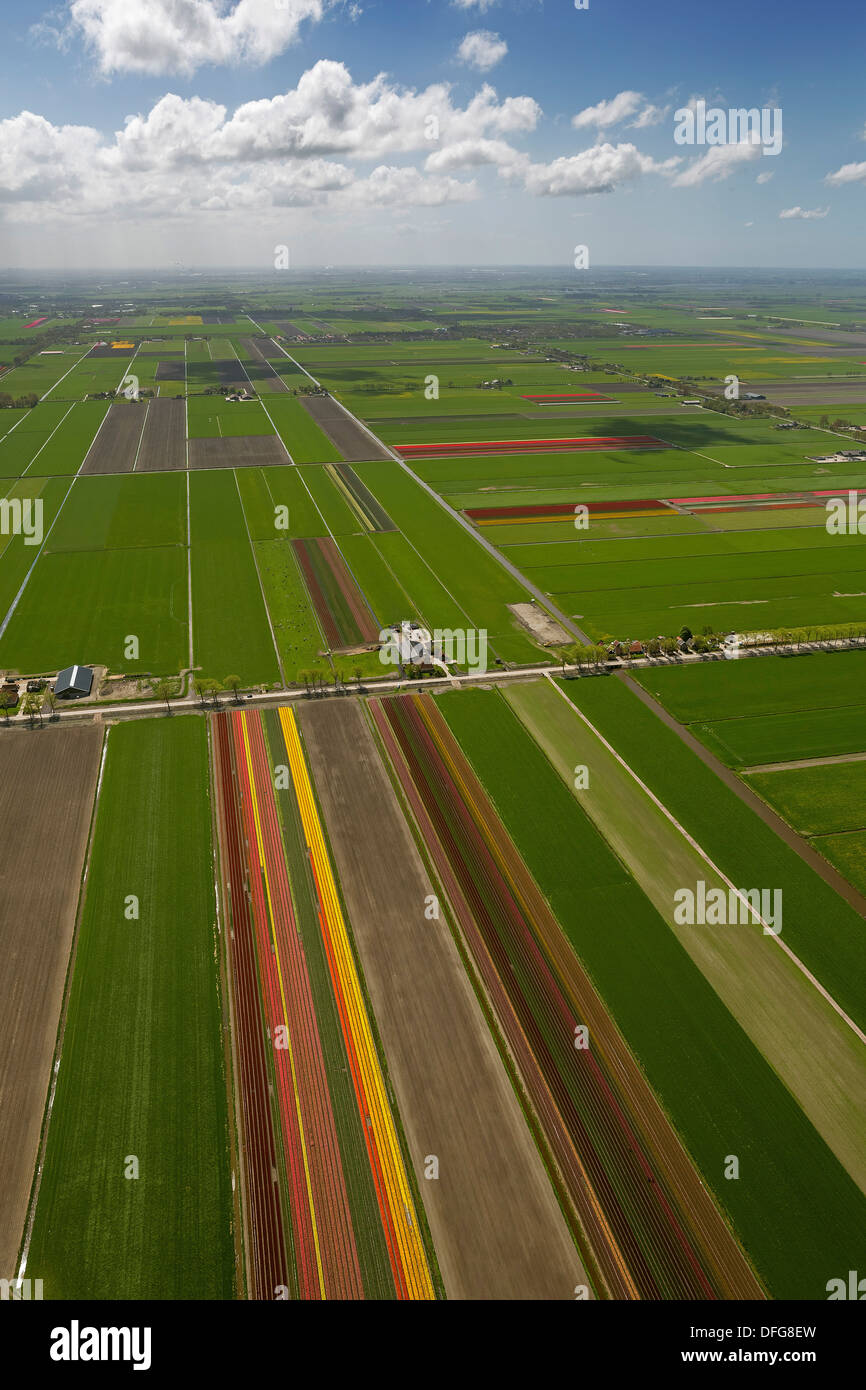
(83, 607)
(66, 448)
(51, 782)
(591, 1112)
(119, 512)
(231, 633)
(116, 445)
(822, 930)
(764, 709)
(163, 443)
(352, 1227)
(758, 982)
(692, 1052)
(28, 433)
(297, 428)
(478, 588)
(137, 1145)
(213, 417)
(253, 451)
(496, 1226)
(343, 614)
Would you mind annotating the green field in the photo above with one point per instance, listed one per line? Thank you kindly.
(817, 800)
(719, 1091)
(819, 927)
(299, 432)
(122, 510)
(83, 607)
(768, 709)
(142, 1071)
(231, 635)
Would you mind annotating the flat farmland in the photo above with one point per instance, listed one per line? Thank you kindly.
(212, 417)
(348, 440)
(50, 780)
(82, 606)
(296, 425)
(142, 1076)
(17, 557)
(477, 584)
(815, 1053)
(817, 801)
(769, 709)
(122, 511)
(759, 685)
(266, 490)
(230, 622)
(115, 447)
(693, 1053)
(496, 1226)
(66, 448)
(253, 451)
(95, 373)
(163, 444)
(27, 434)
(820, 927)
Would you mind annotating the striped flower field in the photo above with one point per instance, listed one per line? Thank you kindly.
(340, 1221)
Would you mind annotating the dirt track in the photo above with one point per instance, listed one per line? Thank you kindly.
(497, 1229)
(163, 447)
(48, 778)
(116, 444)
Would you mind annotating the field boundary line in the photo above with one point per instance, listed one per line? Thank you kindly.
(259, 577)
(65, 374)
(690, 840)
(455, 515)
(27, 577)
(188, 522)
(42, 445)
(61, 1023)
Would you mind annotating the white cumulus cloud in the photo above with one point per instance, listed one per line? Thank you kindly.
(179, 36)
(600, 169)
(849, 173)
(482, 50)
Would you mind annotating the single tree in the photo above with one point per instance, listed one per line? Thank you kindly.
(233, 683)
(163, 691)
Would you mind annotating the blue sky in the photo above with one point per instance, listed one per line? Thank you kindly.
(306, 123)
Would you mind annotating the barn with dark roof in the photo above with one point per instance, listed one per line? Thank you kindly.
(74, 683)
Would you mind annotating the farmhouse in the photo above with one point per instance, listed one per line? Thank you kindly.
(73, 683)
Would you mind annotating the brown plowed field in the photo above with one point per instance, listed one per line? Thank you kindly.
(171, 371)
(243, 451)
(344, 433)
(116, 444)
(256, 348)
(496, 1226)
(48, 779)
(163, 447)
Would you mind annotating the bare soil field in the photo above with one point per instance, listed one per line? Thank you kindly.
(257, 347)
(49, 779)
(116, 444)
(228, 372)
(237, 451)
(496, 1225)
(163, 448)
(171, 371)
(540, 624)
(345, 433)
